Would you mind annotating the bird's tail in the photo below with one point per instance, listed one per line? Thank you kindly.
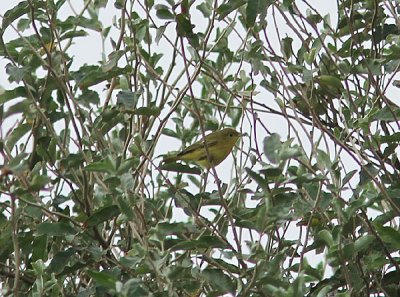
(169, 159)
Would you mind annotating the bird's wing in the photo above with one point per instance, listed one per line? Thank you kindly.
(196, 146)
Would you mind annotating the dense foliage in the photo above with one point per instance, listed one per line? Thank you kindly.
(306, 205)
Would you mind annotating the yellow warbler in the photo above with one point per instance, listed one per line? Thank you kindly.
(219, 145)
(50, 47)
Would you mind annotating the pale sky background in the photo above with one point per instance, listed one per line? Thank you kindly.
(87, 50)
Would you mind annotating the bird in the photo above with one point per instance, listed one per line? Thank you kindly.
(219, 145)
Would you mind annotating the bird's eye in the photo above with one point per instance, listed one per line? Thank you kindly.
(231, 134)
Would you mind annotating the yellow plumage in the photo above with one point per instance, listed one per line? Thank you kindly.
(219, 145)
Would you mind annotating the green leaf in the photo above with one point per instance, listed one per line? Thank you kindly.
(88, 76)
(149, 3)
(252, 10)
(205, 8)
(19, 107)
(324, 159)
(60, 260)
(330, 81)
(387, 114)
(205, 242)
(23, 24)
(224, 9)
(73, 34)
(72, 161)
(326, 236)
(128, 99)
(38, 268)
(147, 111)
(135, 287)
(105, 165)
(39, 248)
(290, 152)
(287, 4)
(227, 266)
(159, 33)
(16, 135)
(367, 173)
(182, 168)
(261, 181)
(389, 235)
(348, 177)
(12, 94)
(38, 182)
(42, 149)
(103, 278)
(16, 74)
(396, 83)
(307, 76)
(163, 12)
(100, 3)
(113, 59)
(18, 164)
(52, 151)
(314, 18)
(272, 146)
(6, 243)
(363, 243)
(170, 132)
(87, 23)
(55, 229)
(89, 97)
(184, 27)
(108, 120)
(125, 207)
(286, 47)
(17, 11)
(102, 215)
(271, 171)
(380, 32)
(127, 181)
(218, 280)
(166, 228)
(394, 137)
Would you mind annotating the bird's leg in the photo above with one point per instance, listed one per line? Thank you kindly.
(204, 177)
(214, 174)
